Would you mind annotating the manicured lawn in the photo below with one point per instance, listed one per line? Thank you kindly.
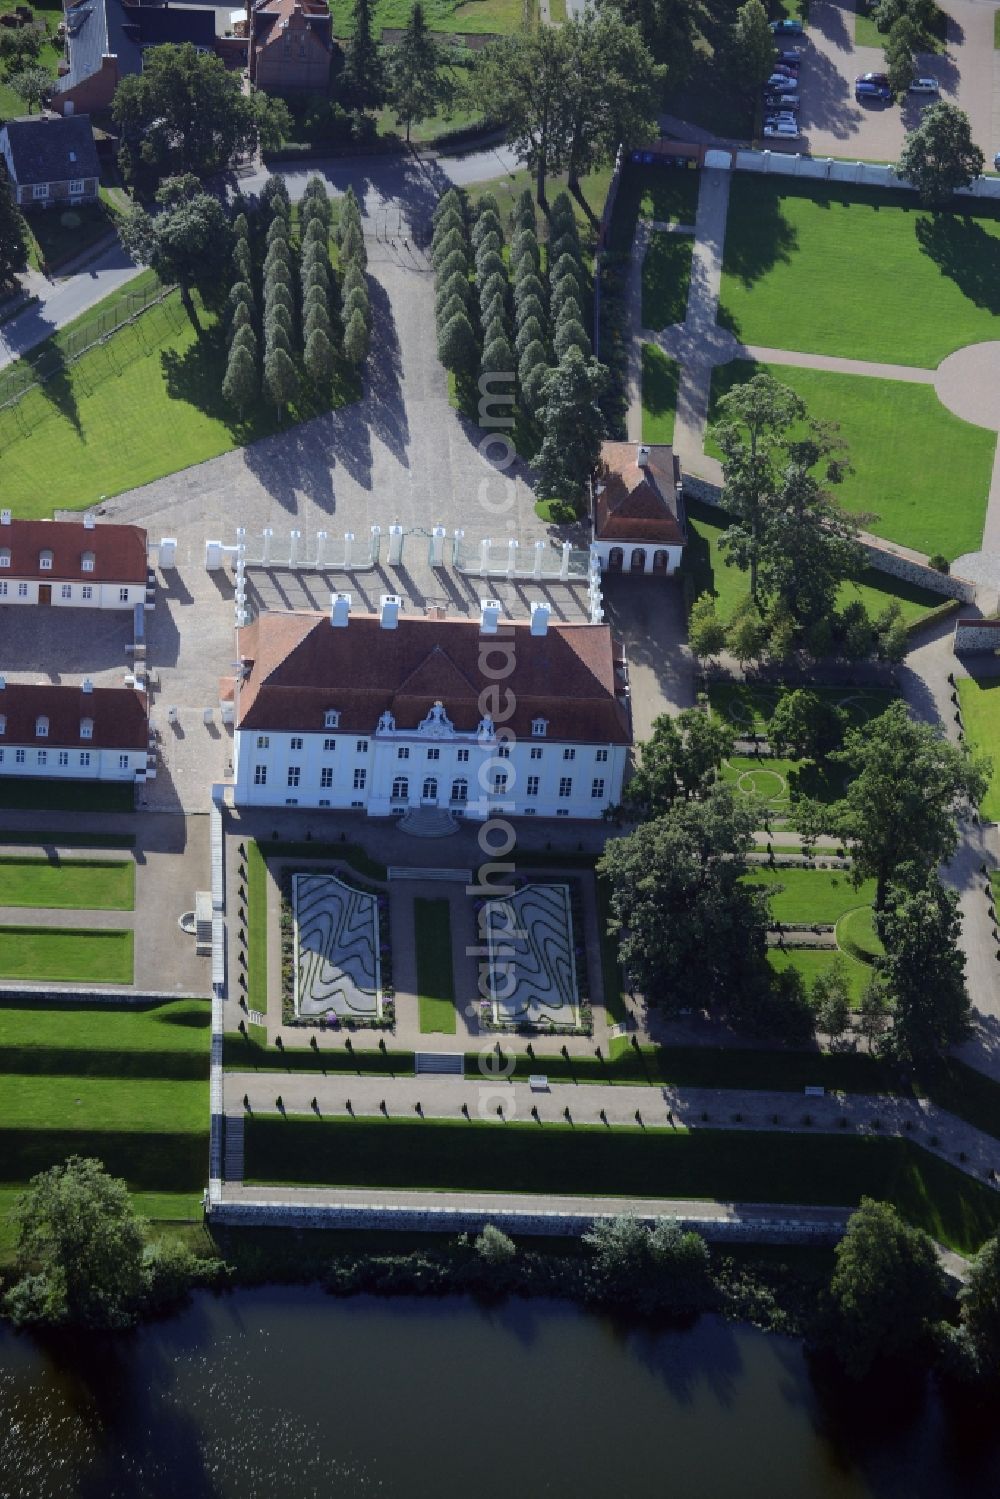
(867, 34)
(660, 376)
(35, 838)
(257, 880)
(94, 1103)
(166, 1040)
(560, 1159)
(66, 796)
(856, 934)
(748, 706)
(861, 272)
(58, 235)
(710, 573)
(980, 702)
(811, 895)
(923, 472)
(811, 962)
(65, 954)
(666, 276)
(501, 16)
(82, 884)
(664, 195)
(435, 976)
(145, 403)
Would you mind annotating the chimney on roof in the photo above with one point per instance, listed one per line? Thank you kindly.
(489, 616)
(540, 618)
(4, 517)
(642, 457)
(86, 685)
(340, 610)
(89, 520)
(389, 607)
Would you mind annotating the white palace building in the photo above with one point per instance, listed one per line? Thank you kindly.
(386, 712)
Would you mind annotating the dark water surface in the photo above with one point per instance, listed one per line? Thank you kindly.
(285, 1394)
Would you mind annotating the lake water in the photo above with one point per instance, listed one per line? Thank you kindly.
(290, 1393)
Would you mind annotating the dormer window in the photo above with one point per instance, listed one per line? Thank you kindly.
(86, 728)
(4, 556)
(539, 727)
(41, 727)
(45, 561)
(331, 719)
(87, 562)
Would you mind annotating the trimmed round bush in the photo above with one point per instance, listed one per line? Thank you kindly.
(530, 331)
(571, 336)
(528, 307)
(277, 271)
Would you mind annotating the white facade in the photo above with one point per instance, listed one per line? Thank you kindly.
(77, 764)
(81, 595)
(474, 775)
(638, 557)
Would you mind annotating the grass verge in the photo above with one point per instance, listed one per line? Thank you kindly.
(980, 702)
(554, 1158)
(66, 954)
(666, 277)
(256, 928)
(75, 884)
(66, 796)
(660, 378)
(435, 975)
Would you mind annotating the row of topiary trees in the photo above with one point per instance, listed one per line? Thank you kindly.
(264, 337)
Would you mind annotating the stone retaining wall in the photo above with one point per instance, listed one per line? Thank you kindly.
(881, 557)
(94, 996)
(977, 637)
(777, 1230)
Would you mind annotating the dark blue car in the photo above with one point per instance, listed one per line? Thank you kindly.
(865, 90)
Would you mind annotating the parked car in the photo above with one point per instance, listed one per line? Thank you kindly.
(787, 120)
(880, 78)
(778, 82)
(924, 86)
(864, 90)
(786, 28)
(781, 132)
(792, 55)
(785, 69)
(781, 101)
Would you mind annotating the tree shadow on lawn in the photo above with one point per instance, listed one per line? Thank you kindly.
(966, 254)
(51, 369)
(758, 236)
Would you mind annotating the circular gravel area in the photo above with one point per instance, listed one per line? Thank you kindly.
(968, 383)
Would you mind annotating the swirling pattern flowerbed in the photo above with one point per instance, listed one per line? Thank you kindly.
(532, 963)
(336, 949)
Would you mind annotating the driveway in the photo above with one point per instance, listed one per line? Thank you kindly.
(834, 124)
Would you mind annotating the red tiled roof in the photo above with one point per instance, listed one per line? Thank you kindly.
(638, 502)
(301, 666)
(119, 551)
(303, 17)
(119, 716)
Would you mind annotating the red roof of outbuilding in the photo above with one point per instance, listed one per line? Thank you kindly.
(638, 502)
(118, 714)
(119, 551)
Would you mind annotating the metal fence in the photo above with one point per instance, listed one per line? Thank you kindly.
(50, 360)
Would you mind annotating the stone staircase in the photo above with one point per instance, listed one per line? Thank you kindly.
(452, 1062)
(232, 1160)
(428, 822)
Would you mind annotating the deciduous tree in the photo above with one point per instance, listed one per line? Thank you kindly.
(417, 83)
(923, 970)
(681, 759)
(940, 154)
(573, 426)
(186, 242)
(13, 237)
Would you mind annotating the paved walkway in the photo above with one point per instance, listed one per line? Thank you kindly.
(654, 1107)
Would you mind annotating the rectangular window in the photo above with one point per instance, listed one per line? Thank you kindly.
(360, 777)
(403, 753)
(123, 595)
(294, 772)
(123, 762)
(22, 590)
(86, 728)
(532, 787)
(536, 753)
(66, 591)
(463, 757)
(1, 756)
(499, 782)
(601, 757)
(84, 758)
(64, 757)
(19, 757)
(326, 777)
(295, 743)
(40, 190)
(331, 718)
(361, 747)
(88, 562)
(87, 593)
(597, 788)
(433, 754)
(503, 751)
(3, 590)
(263, 741)
(43, 757)
(329, 745)
(566, 786)
(76, 187)
(569, 754)
(260, 775)
(291, 801)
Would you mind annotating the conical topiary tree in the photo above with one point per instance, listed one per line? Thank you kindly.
(530, 331)
(457, 348)
(447, 245)
(526, 308)
(490, 265)
(356, 338)
(280, 379)
(571, 336)
(240, 385)
(318, 358)
(245, 338)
